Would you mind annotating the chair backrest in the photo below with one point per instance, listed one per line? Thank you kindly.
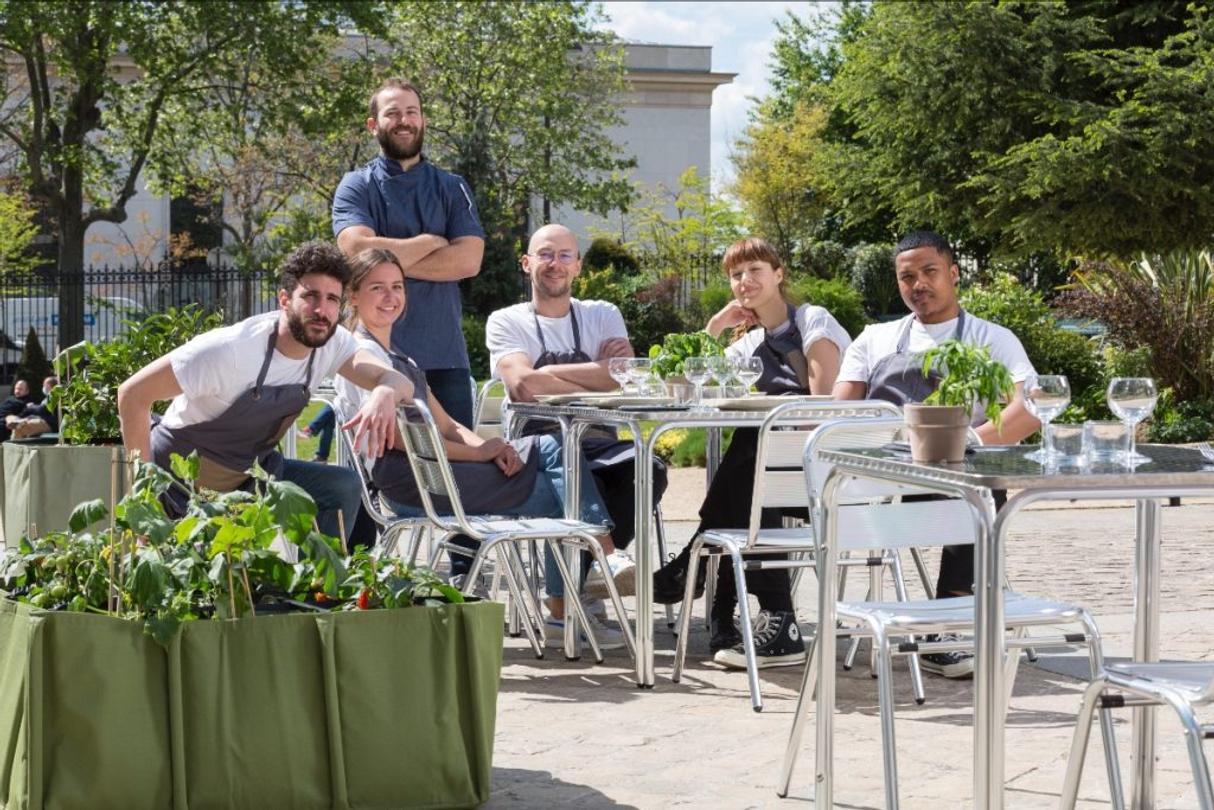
(431, 469)
(779, 474)
(348, 456)
(487, 422)
(873, 514)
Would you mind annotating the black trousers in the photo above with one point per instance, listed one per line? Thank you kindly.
(957, 562)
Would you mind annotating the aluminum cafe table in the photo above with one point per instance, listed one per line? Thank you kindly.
(575, 419)
(1171, 472)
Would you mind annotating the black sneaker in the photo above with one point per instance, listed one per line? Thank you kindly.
(723, 634)
(778, 643)
(670, 579)
(958, 664)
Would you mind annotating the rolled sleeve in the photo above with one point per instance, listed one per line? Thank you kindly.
(351, 205)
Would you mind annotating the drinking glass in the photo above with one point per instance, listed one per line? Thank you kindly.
(639, 369)
(1046, 396)
(617, 367)
(695, 369)
(748, 370)
(1132, 399)
(721, 369)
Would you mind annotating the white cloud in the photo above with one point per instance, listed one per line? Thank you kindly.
(741, 36)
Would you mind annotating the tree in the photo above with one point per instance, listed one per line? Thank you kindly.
(1022, 127)
(519, 98)
(33, 367)
(89, 83)
(17, 232)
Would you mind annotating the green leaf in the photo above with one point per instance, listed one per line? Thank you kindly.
(186, 468)
(293, 509)
(149, 580)
(147, 518)
(86, 514)
(162, 627)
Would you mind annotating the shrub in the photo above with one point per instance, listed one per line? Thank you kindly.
(714, 297)
(478, 353)
(33, 366)
(840, 298)
(606, 252)
(1175, 422)
(648, 306)
(872, 273)
(826, 259)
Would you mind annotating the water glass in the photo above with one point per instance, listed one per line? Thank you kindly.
(748, 370)
(1046, 396)
(696, 370)
(721, 368)
(1132, 399)
(1106, 441)
(617, 367)
(1067, 441)
(639, 371)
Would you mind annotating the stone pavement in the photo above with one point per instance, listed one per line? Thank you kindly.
(573, 734)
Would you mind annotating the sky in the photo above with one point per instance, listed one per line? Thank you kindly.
(741, 36)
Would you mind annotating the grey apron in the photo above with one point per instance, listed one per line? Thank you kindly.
(600, 446)
(898, 377)
(484, 489)
(785, 369)
(247, 431)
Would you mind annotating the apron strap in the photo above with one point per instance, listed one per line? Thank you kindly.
(904, 338)
(577, 333)
(265, 367)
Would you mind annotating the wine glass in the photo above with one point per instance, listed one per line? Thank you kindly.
(617, 367)
(695, 369)
(1046, 396)
(748, 370)
(639, 369)
(1132, 399)
(721, 369)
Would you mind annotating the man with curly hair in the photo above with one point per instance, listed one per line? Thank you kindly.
(236, 390)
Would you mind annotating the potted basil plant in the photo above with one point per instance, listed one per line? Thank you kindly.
(969, 376)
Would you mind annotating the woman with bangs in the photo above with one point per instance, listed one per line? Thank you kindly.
(801, 348)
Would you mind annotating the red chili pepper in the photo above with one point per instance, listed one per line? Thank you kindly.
(321, 597)
(364, 600)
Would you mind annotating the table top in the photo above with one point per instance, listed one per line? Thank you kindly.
(1006, 467)
(813, 407)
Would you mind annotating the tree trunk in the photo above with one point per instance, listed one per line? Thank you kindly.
(71, 261)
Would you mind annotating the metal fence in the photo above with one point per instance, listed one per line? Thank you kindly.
(114, 295)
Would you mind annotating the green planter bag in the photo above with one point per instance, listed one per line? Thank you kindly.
(43, 483)
(365, 709)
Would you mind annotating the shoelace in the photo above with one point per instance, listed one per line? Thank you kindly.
(764, 629)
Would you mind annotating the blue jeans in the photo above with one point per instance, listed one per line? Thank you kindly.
(333, 488)
(453, 388)
(322, 427)
(547, 499)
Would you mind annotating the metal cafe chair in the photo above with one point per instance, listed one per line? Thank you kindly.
(779, 483)
(487, 420)
(1183, 685)
(428, 458)
(895, 628)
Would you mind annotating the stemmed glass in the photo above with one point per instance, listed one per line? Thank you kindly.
(695, 369)
(1132, 399)
(617, 367)
(721, 369)
(748, 370)
(1046, 396)
(639, 369)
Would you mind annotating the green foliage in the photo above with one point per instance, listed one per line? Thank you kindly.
(668, 357)
(17, 232)
(90, 373)
(1165, 304)
(647, 306)
(216, 561)
(840, 299)
(872, 273)
(970, 376)
(1178, 422)
(826, 259)
(1050, 348)
(715, 296)
(478, 352)
(33, 366)
(605, 252)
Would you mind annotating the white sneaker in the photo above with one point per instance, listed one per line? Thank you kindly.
(623, 572)
(596, 608)
(608, 638)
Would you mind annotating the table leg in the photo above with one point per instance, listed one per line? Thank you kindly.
(989, 689)
(825, 706)
(571, 450)
(1146, 648)
(643, 493)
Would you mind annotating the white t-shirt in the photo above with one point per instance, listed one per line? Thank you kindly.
(350, 397)
(880, 340)
(815, 324)
(512, 330)
(215, 368)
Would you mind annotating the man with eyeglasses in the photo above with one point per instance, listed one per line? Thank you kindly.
(557, 344)
(402, 203)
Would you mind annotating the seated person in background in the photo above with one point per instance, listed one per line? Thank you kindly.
(523, 477)
(556, 344)
(883, 364)
(14, 405)
(236, 391)
(37, 417)
(800, 347)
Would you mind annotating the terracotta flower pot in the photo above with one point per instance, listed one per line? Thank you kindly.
(937, 432)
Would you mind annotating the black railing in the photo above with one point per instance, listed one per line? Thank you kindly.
(113, 295)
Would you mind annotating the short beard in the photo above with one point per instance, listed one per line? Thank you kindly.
(548, 292)
(299, 331)
(394, 152)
